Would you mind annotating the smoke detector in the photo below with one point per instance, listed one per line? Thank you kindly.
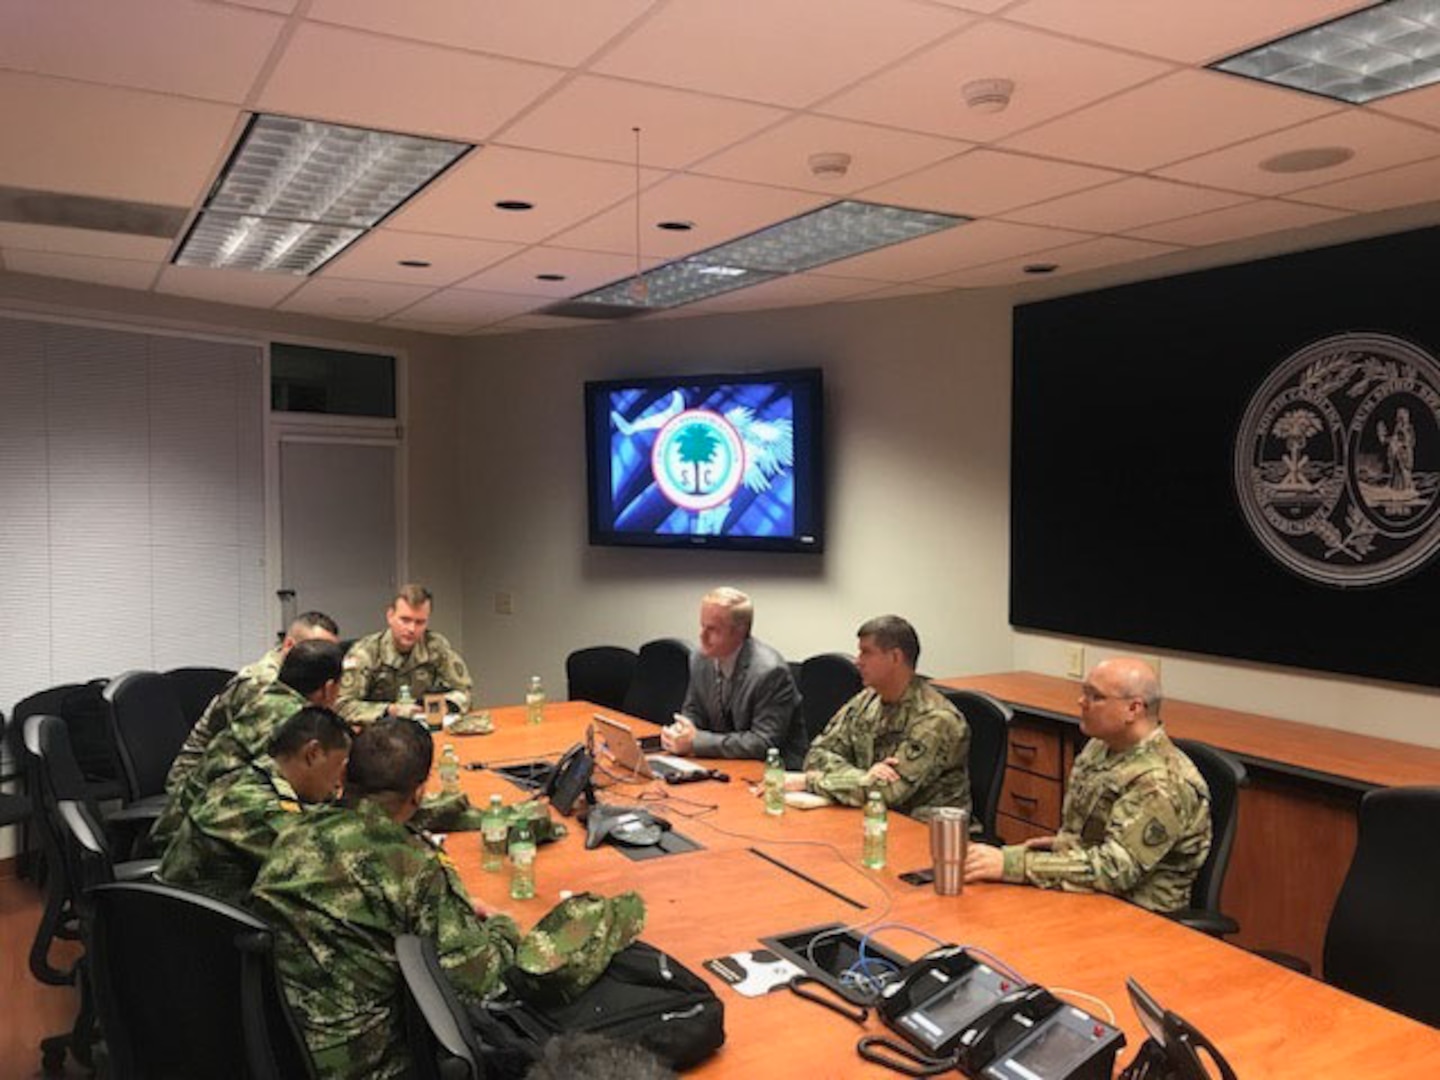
(830, 165)
(988, 95)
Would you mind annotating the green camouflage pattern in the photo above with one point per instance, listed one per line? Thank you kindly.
(233, 697)
(923, 730)
(241, 741)
(339, 886)
(375, 670)
(1135, 824)
(227, 834)
(440, 813)
(572, 945)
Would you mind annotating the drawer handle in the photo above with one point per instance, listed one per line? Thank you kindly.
(1024, 798)
(1024, 748)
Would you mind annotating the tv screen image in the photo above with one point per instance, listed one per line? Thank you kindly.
(727, 461)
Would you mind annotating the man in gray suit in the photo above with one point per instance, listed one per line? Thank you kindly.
(742, 698)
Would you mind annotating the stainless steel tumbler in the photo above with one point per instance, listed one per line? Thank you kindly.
(949, 832)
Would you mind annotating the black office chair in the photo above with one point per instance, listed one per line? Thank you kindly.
(87, 714)
(185, 986)
(1225, 776)
(662, 675)
(601, 673)
(15, 809)
(1382, 943)
(196, 687)
(150, 727)
(826, 682)
(989, 721)
(443, 1045)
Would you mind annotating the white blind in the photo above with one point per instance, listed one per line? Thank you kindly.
(132, 531)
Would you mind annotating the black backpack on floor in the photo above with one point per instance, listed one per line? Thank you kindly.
(644, 997)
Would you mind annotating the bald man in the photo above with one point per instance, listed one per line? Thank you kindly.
(1136, 821)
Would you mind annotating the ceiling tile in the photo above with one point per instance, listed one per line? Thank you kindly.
(985, 182)
(227, 286)
(891, 292)
(376, 256)
(1378, 141)
(542, 322)
(350, 77)
(720, 210)
(954, 249)
(1051, 76)
(564, 191)
(82, 242)
(472, 307)
(1176, 117)
(595, 117)
(1385, 190)
(282, 6)
(358, 301)
(135, 45)
(1422, 105)
(781, 155)
(1180, 29)
(1071, 259)
(750, 51)
(583, 270)
(125, 273)
(550, 31)
(1236, 222)
(120, 144)
(1125, 204)
(423, 326)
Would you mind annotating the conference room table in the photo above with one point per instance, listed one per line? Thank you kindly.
(757, 876)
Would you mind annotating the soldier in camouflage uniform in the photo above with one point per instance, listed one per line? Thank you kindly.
(240, 691)
(1136, 821)
(342, 882)
(405, 654)
(310, 675)
(227, 834)
(899, 736)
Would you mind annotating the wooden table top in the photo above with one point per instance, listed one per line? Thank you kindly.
(1269, 1022)
(1343, 755)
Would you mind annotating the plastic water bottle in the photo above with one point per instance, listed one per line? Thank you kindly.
(449, 770)
(522, 862)
(405, 699)
(876, 827)
(494, 831)
(535, 701)
(774, 782)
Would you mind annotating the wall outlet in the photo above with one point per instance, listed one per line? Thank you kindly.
(504, 603)
(1075, 661)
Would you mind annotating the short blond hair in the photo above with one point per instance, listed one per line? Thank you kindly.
(413, 594)
(736, 604)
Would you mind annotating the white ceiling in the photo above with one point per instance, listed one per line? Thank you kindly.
(1117, 146)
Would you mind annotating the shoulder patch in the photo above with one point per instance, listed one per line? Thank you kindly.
(290, 806)
(1155, 833)
(350, 661)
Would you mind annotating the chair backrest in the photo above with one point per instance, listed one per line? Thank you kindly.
(1381, 942)
(196, 687)
(13, 808)
(989, 721)
(443, 1046)
(1225, 776)
(826, 682)
(601, 673)
(150, 727)
(662, 675)
(87, 714)
(180, 983)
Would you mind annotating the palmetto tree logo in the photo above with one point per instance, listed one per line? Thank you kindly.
(698, 459)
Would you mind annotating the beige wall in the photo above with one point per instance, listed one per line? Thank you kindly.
(918, 415)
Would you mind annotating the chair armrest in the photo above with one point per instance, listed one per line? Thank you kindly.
(1284, 959)
(136, 870)
(1207, 922)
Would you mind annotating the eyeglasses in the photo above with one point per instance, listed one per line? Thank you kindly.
(1094, 697)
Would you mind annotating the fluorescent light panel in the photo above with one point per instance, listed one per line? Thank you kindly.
(838, 231)
(1373, 53)
(297, 192)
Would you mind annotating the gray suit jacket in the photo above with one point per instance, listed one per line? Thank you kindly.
(764, 707)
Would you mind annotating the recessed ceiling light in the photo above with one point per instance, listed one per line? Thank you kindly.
(549, 277)
(675, 226)
(514, 204)
(1372, 53)
(415, 264)
(1308, 160)
(1041, 268)
(297, 192)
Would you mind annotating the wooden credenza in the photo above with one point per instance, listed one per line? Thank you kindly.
(1297, 824)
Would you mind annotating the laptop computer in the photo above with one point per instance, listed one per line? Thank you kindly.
(624, 750)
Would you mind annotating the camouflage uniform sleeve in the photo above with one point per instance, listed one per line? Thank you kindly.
(1143, 826)
(473, 952)
(453, 674)
(353, 704)
(832, 757)
(934, 744)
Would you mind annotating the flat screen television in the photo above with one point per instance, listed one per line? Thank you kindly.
(715, 461)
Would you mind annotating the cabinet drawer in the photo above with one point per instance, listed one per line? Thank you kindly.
(1031, 798)
(1034, 748)
(1015, 831)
